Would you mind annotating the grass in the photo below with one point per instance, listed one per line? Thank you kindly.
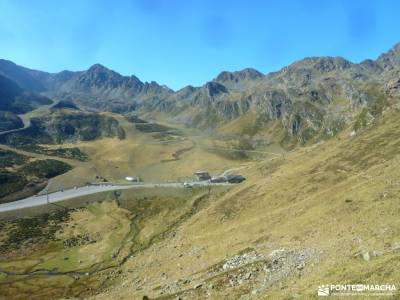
(45, 168)
(151, 156)
(28, 175)
(147, 219)
(69, 153)
(298, 202)
(21, 176)
(339, 196)
(39, 230)
(42, 240)
(10, 158)
(141, 154)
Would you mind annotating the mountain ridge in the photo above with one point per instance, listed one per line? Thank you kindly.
(310, 98)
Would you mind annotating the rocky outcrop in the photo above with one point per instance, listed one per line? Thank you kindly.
(392, 88)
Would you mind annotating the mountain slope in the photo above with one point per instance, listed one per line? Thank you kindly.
(105, 90)
(96, 88)
(310, 99)
(14, 99)
(20, 75)
(324, 214)
(64, 125)
(9, 121)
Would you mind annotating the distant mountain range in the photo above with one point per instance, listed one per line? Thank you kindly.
(310, 98)
(97, 88)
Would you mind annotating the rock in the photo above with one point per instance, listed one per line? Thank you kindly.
(395, 246)
(392, 87)
(365, 255)
(301, 266)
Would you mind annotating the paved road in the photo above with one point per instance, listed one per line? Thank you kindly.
(26, 118)
(88, 190)
(25, 121)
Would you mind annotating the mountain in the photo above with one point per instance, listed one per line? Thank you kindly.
(14, 99)
(64, 125)
(238, 80)
(390, 60)
(97, 88)
(310, 99)
(9, 121)
(104, 89)
(9, 91)
(20, 76)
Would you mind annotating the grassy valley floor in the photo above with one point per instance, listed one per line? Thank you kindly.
(325, 214)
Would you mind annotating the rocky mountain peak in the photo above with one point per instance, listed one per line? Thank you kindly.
(214, 88)
(102, 77)
(390, 59)
(98, 68)
(245, 74)
(101, 71)
(322, 64)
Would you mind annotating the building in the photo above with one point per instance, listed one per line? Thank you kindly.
(202, 175)
(132, 179)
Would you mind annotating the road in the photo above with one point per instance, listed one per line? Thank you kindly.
(88, 190)
(26, 118)
(26, 121)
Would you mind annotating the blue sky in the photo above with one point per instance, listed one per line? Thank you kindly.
(177, 43)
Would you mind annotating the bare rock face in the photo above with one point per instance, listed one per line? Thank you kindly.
(238, 76)
(214, 88)
(390, 60)
(393, 87)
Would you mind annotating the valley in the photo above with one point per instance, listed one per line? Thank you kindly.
(99, 197)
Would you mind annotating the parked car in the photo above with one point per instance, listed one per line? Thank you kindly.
(235, 178)
(187, 185)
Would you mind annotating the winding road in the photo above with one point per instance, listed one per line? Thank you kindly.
(26, 118)
(55, 197)
(43, 198)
